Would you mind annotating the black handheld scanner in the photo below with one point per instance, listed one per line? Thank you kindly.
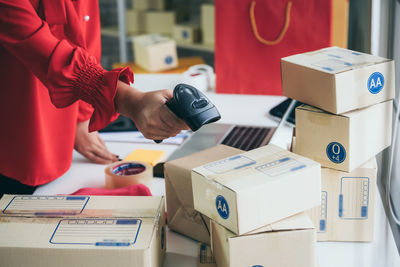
(192, 106)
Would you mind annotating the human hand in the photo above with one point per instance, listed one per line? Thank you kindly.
(91, 145)
(149, 112)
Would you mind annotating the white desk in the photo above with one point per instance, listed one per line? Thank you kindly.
(245, 110)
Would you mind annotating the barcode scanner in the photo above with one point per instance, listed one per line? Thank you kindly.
(192, 106)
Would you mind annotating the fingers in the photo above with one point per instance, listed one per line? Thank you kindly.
(92, 147)
(93, 157)
(101, 151)
(171, 120)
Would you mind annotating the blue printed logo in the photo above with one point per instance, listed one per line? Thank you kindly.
(222, 207)
(168, 60)
(185, 34)
(375, 82)
(336, 152)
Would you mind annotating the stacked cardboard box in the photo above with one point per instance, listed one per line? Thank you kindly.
(346, 123)
(254, 199)
(82, 231)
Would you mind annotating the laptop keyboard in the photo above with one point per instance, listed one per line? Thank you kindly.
(246, 138)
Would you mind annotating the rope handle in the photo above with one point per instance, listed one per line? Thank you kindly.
(283, 31)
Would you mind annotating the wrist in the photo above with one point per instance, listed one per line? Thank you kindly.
(126, 98)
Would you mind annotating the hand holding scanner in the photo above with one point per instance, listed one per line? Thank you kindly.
(192, 106)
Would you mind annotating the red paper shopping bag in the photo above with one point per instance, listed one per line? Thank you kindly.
(252, 36)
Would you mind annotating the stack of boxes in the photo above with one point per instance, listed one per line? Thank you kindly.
(153, 51)
(248, 202)
(251, 204)
(152, 28)
(346, 123)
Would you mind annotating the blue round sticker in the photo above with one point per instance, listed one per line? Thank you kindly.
(185, 34)
(336, 152)
(375, 82)
(168, 60)
(222, 207)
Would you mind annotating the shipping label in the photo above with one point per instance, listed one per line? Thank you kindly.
(46, 205)
(354, 198)
(97, 232)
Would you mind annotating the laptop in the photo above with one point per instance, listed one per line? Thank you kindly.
(242, 137)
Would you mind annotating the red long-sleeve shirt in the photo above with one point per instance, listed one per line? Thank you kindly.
(49, 54)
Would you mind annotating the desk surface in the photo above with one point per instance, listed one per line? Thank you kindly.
(182, 251)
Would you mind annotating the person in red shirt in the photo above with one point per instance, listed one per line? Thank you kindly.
(53, 90)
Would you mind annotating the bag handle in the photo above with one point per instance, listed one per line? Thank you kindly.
(284, 28)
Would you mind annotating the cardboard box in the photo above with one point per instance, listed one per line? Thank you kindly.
(82, 231)
(160, 22)
(208, 23)
(148, 4)
(155, 52)
(182, 217)
(134, 21)
(290, 242)
(338, 80)
(255, 188)
(347, 205)
(343, 142)
(205, 256)
(186, 34)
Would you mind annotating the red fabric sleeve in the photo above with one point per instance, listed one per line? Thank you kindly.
(68, 72)
(85, 111)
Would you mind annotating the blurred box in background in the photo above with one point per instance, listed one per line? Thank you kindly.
(186, 33)
(208, 23)
(134, 21)
(159, 22)
(148, 4)
(155, 52)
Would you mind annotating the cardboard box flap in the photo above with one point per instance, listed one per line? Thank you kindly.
(150, 39)
(348, 114)
(334, 60)
(181, 183)
(80, 206)
(228, 172)
(296, 222)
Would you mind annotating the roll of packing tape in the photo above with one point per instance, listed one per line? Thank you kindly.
(121, 174)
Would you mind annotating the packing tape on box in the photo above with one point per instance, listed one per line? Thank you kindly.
(125, 173)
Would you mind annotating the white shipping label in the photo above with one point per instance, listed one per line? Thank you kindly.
(280, 167)
(97, 232)
(46, 205)
(229, 164)
(338, 59)
(354, 198)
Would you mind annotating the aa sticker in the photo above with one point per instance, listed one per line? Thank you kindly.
(375, 82)
(168, 60)
(222, 207)
(336, 152)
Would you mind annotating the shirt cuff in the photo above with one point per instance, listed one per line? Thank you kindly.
(79, 76)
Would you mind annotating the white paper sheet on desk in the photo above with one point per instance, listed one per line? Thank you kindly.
(137, 137)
